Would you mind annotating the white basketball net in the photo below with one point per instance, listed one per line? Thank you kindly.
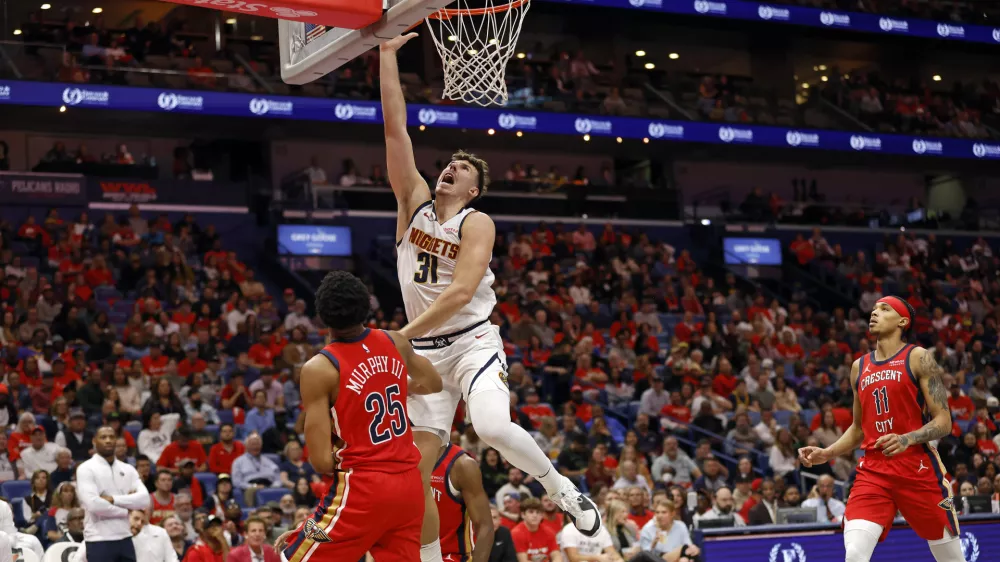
(475, 50)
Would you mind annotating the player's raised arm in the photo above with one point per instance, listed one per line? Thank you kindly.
(928, 373)
(410, 189)
(426, 379)
(477, 235)
(469, 480)
(319, 382)
(848, 442)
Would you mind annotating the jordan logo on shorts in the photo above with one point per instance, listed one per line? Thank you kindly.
(921, 467)
(313, 532)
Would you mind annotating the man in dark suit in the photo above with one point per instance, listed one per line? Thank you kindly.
(766, 510)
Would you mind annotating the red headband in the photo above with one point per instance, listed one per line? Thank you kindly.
(898, 305)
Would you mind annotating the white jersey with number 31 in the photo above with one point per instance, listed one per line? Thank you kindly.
(426, 258)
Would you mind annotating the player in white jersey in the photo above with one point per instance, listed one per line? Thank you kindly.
(445, 248)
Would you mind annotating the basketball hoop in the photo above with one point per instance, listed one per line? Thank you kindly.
(475, 45)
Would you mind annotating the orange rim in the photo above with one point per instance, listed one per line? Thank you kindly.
(448, 13)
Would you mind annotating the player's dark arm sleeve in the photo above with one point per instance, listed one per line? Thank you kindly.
(469, 480)
(503, 547)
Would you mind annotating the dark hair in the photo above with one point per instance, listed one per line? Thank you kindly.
(225, 425)
(480, 165)
(342, 301)
(142, 458)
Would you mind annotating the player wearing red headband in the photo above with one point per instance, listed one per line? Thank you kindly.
(897, 388)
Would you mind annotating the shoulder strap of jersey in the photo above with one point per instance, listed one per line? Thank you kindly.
(329, 355)
(413, 216)
(861, 372)
(906, 363)
(468, 211)
(455, 453)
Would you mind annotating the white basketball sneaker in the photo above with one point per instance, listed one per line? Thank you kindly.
(584, 513)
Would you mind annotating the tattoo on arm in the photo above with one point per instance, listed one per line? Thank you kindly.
(936, 393)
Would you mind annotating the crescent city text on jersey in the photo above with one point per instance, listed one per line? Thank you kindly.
(880, 376)
(372, 366)
(428, 243)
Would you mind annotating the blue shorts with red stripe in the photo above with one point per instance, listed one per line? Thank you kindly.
(363, 512)
(915, 484)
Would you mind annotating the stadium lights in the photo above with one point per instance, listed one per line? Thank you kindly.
(805, 85)
(640, 53)
(936, 78)
(97, 10)
(619, 139)
(521, 55)
(493, 41)
(452, 38)
(823, 78)
(822, 67)
(674, 56)
(256, 37)
(586, 138)
(520, 134)
(46, 6)
(472, 51)
(17, 32)
(231, 21)
(490, 132)
(645, 140)
(423, 128)
(706, 222)
(649, 66)
(62, 109)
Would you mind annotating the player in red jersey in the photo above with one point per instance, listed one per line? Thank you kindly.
(463, 507)
(354, 395)
(897, 388)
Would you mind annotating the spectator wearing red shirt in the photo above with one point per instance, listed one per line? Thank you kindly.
(43, 395)
(211, 545)
(99, 275)
(724, 382)
(687, 330)
(156, 363)
(961, 406)
(191, 363)
(223, 453)
(235, 394)
(262, 353)
(676, 410)
(34, 232)
(535, 410)
(20, 438)
(789, 349)
(536, 542)
(638, 511)
(581, 408)
(179, 451)
(803, 250)
(184, 315)
(185, 481)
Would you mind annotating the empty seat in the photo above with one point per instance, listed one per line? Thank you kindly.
(208, 480)
(271, 495)
(15, 489)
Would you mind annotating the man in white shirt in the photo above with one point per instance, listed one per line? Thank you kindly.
(723, 506)
(238, 315)
(298, 317)
(828, 508)
(767, 427)
(41, 455)
(630, 478)
(579, 547)
(151, 542)
(316, 174)
(685, 471)
(515, 485)
(17, 541)
(107, 489)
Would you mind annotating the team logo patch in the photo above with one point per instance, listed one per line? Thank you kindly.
(947, 504)
(503, 377)
(314, 533)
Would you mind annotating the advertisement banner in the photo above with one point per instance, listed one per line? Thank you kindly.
(42, 189)
(980, 543)
(813, 17)
(181, 192)
(313, 240)
(501, 119)
(752, 251)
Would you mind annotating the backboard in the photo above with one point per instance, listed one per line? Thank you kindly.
(310, 51)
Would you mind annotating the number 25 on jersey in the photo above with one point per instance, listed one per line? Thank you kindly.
(380, 405)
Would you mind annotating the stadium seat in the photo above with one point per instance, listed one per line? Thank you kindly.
(633, 409)
(225, 416)
(134, 427)
(782, 417)
(212, 429)
(270, 495)
(247, 512)
(17, 506)
(208, 481)
(807, 416)
(15, 489)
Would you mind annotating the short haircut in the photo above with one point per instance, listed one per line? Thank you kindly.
(669, 504)
(531, 504)
(142, 458)
(480, 165)
(254, 519)
(342, 301)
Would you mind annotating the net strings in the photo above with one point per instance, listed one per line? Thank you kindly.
(475, 62)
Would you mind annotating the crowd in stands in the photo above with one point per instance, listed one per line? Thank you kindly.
(969, 11)
(914, 107)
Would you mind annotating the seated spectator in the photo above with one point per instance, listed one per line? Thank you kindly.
(181, 450)
(260, 419)
(638, 507)
(533, 539)
(723, 507)
(201, 76)
(157, 434)
(151, 542)
(78, 438)
(73, 531)
(162, 499)
(252, 471)
(783, 457)
(295, 466)
(665, 537)
(828, 508)
(40, 456)
(766, 510)
(211, 545)
(712, 478)
(514, 486)
(630, 477)
(742, 440)
(226, 451)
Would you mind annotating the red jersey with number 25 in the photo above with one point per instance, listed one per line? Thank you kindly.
(369, 417)
(891, 399)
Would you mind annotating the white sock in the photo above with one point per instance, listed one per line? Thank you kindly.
(552, 481)
(947, 550)
(431, 552)
(860, 538)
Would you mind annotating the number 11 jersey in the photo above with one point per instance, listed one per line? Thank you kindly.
(425, 262)
(891, 400)
(369, 419)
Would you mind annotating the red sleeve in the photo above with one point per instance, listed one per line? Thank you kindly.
(169, 456)
(520, 538)
(215, 460)
(200, 456)
(194, 555)
(551, 540)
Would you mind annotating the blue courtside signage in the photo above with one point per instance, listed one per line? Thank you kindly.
(503, 119)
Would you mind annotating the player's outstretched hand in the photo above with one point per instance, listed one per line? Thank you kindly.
(892, 444)
(396, 42)
(282, 542)
(810, 456)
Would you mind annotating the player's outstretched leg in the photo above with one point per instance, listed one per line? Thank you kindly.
(860, 538)
(490, 413)
(430, 446)
(948, 549)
